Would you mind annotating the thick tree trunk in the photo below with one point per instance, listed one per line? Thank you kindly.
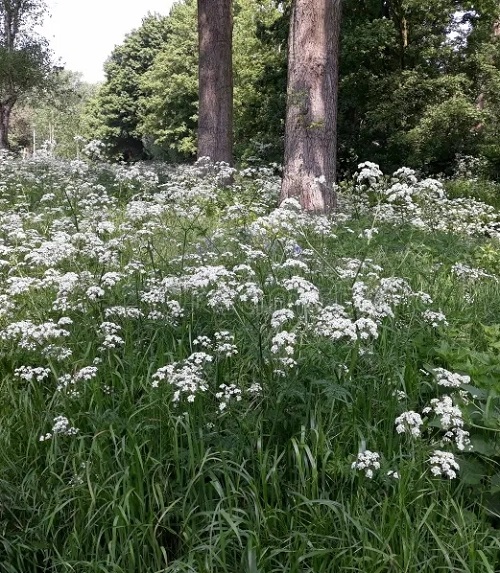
(215, 117)
(311, 117)
(5, 110)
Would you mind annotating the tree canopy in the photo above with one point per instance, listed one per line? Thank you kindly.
(114, 113)
(25, 60)
(419, 84)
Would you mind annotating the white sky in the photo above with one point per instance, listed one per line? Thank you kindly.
(83, 33)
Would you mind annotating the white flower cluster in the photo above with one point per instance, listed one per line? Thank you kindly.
(405, 175)
(334, 323)
(444, 464)
(21, 285)
(463, 271)
(123, 312)
(94, 149)
(376, 301)
(449, 414)
(368, 462)
(227, 393)
(368, 233)
(222, 297)
(409, 422)
(69, 382)
(94, 293)
(67, 285)
(255, 389)
(308, 294)
(450, 379)
(203, 342)
(368, 174)
(422, 204)
(282, 222)
(283, 344)
(186, 377)
(250, 292)
(292, 264)
(288, 221)
(435, 319)
(30, 373)
(222, 286)
(348, 268)
(284, 341)
(224, 344)
(61, 427)
(31, 336)
(7, 306)
(86, 373)
(281, 316)
(108, 331)
(450, 418)
(157, 292)
(50, 253)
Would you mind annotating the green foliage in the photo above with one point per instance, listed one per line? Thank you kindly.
(113, 114)
(480, 188)
(54, 119)
(486, 68)
(408, 91)
(171, 85)
(414, 90)
(444, 131)
(25, 60)
(260, 81)
(169, 107)
(22, 69)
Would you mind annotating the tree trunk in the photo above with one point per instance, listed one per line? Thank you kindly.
(5, 110)
(311, 117)
(215, 116)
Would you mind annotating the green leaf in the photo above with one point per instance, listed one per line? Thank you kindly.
(495, 483)
(472, 471)
(482, 446)
(334, 391)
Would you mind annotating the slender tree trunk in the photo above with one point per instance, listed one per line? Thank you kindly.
(215, 119)
(311, 117)
(5, 110)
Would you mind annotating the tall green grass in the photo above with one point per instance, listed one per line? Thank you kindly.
(266, 485)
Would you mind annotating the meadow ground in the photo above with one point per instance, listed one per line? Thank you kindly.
(196, 381)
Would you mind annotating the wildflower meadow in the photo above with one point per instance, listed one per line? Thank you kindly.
(196, 381)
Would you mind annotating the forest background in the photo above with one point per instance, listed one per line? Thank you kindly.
(419, 86)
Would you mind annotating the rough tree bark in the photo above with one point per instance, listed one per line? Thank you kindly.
(5, 111)
(215, 116)
(311, 117)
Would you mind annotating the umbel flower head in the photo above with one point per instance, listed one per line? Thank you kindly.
(367, 461)
(443, 464)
